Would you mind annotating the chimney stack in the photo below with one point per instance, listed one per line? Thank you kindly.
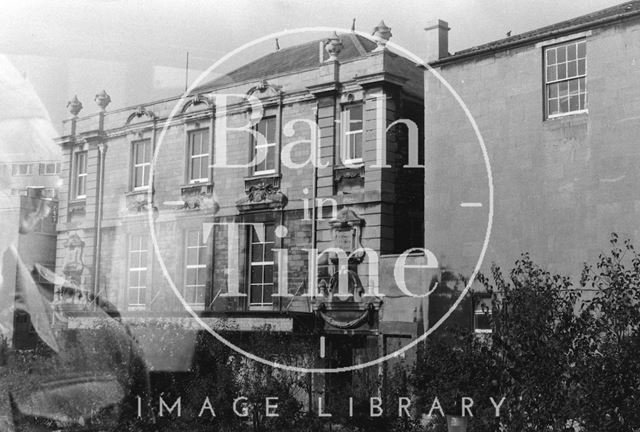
(437, 43)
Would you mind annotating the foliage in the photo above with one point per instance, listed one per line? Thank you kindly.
(564, 355)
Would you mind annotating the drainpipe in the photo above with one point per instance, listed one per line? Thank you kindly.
(102, 99)
(314, 186)
(102, 148)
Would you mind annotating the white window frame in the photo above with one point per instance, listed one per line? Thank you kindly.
(345, 121)
(191, 155)
(581, 79)
(263, 264)
(266, 145)
(16, 168)
(80, 177)
(200, 248)
(142, 270)
(144, 166)
(43, 168)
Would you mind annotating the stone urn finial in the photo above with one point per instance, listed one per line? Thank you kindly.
(333, 45)
(103, 99)
(382, 33)
(74, 106)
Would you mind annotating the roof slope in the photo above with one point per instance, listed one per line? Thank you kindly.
(613, 13)
(291, 59)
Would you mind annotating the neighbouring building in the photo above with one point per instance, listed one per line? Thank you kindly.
(559, 110)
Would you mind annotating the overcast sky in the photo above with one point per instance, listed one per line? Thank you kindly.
(136, 49)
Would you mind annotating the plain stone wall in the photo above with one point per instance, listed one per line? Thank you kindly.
(562, 185)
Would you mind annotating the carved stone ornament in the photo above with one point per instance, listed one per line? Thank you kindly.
(262, 193)
(74, 106)
(265, 87)
(198, 196)
(76, 208)
(102, 99)
(139, 112)
(73, 264)
(347, 233)
(138, 202)
(348, 177)
(333, 46)
(382, 34)
(198, 99)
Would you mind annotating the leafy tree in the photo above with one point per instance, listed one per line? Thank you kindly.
(607, 374)
(564, 356)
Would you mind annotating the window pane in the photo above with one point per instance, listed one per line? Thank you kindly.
(271, 158)
(562, 71)
(268, 233)
(255, 294)
(202, 256)
(582, 67)
(553, 107)
(204, 167)
(564, 104)
(553, 90)
(551, 73)
(482, 321)
(199, 295)
(133, 296)
(268, 252)
(573, 103)
(267, 293)
(357, 152)
(582, 49)
(138, 177)
(573, 87)
(268, 274)
(145, 175)
(562, 54)
(571, 52)
(355, 118)
(573, 69)
(192, 275)
(202, 276)
(551, 56)
(256, 252)
(195, 169)
(564, 89)
(192, 256)
(270, 129)
(582, 98)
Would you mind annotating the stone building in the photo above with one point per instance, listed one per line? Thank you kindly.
(558, 109)
(228, 235)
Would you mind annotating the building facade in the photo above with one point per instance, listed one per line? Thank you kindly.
(558, 109)
(218, 203)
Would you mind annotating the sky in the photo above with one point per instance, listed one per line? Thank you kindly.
(136, 49)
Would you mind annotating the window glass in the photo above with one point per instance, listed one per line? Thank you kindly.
(565, 78)
(261, 283)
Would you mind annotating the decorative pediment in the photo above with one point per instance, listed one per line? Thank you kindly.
(262, 193)
(265, 90)
(347, 218)
(197, 100)
(141, 111)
